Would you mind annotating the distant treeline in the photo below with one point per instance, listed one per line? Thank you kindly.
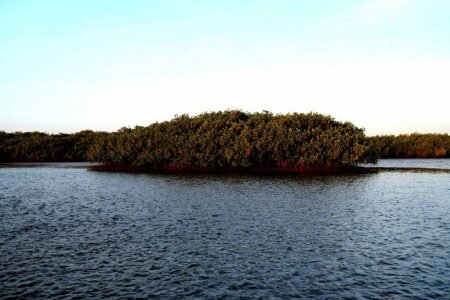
(238, 140)
(225, 140)
(42, 147)
(412, 145)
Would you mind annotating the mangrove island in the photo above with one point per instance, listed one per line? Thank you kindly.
(237, 141)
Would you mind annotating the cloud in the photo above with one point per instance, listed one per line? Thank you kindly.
(373, 11)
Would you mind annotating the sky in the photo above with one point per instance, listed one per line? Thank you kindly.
(66, 65)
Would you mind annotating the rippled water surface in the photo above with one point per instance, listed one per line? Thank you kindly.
(441, 163)
(69, 232)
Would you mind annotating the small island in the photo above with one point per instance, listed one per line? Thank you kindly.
(237, 141)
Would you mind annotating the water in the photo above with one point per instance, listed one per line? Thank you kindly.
(442, 164)
(73, 233)
(49, 165)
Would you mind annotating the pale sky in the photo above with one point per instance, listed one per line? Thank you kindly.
(70, 65)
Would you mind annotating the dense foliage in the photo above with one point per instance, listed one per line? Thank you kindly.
(238, 140)
(225, 140)
(42, 147)
(412, 145)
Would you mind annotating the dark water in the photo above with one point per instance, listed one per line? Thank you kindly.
(73, 233)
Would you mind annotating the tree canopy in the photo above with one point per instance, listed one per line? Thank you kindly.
(412, 145)
(42, 147)
(238, 140)
(225, 140)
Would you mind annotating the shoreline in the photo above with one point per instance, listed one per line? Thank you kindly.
(249, 171)
(53, 164)
(233, 171)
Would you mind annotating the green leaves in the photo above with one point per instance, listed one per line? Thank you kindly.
(239, 140)
(412, 145)
(41, 147)
(220, 140)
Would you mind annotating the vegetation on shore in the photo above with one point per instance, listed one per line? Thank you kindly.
(42, 147)
(235, 140)
(412, 145)
(229, 140)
